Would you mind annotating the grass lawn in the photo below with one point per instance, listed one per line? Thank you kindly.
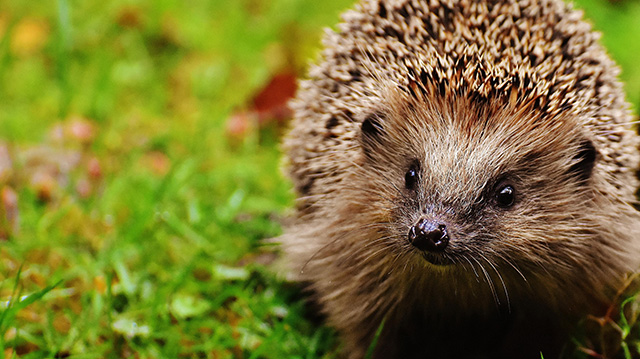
(139, 172)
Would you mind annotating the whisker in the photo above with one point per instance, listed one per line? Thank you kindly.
(472, 268)
(512, 265)
(489, 282)
(504, 286)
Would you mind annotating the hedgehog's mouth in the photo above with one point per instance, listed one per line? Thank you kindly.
(438, 259)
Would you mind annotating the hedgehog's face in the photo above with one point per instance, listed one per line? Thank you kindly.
(465, 192)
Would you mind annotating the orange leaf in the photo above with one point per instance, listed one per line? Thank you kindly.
(29, 37)
(271, 101)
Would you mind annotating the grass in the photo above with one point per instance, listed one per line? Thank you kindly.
(131, 215)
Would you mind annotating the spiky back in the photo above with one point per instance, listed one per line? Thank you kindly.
(474, 48)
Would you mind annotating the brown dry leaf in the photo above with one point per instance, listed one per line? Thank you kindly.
(100, 283)
(10, 263)
(53, 259)
(10, 334)
(38, 278)
(61, 323)
(29, 36)
(75, 304)
(56, 133)
(234, 319)
(261, 258)
(6, 164)
(29, 314)
(84, 189)
(130, 17)
(81, 130)
(186, 343)
(271, 102)
(47, 169)
(240, 124)
(37, 255)
(94, 169)
(25, 348)
(157, 162)
(201, 274)
(44, 184)
(56, 260)
(9, 210)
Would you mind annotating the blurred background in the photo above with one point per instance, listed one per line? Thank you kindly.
(139, 172)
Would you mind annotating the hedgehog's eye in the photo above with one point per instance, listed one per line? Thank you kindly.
(411, 177)
(505, 196)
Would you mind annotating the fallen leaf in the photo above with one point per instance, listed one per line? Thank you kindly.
(9, 203)
(94, 169)
(201, 274)
(29, 37)
(38, 278)
(56, 134)
(81, 130)
(10, 334)
(29, 314)
(271, 102)
(84, 188)
(239, 124)
(262, 258)
(61, 323)
(130, 17)
(157, 162)
(44, 184)
(48, 169)
(100, 284)
(25, 348)
(6, 164)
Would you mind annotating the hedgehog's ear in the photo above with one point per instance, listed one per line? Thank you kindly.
(584, 160)
(371, 130)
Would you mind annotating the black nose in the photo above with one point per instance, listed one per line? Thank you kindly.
(429, 236)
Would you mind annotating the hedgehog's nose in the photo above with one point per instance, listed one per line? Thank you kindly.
(429, 236)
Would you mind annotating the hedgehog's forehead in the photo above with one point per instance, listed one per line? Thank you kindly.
(465, 143)
(463, 125)
(457, 158)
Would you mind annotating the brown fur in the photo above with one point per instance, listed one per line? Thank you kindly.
(476, 93)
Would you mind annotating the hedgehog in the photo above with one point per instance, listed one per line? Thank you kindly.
(466, 173)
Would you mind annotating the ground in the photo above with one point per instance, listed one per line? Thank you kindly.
(140, 173)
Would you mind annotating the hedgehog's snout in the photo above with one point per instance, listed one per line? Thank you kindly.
(429, 235)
